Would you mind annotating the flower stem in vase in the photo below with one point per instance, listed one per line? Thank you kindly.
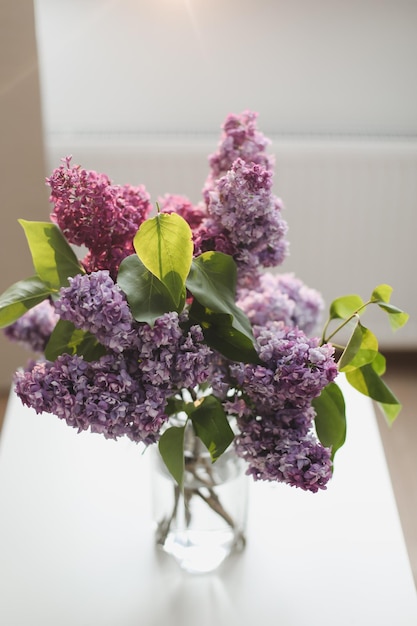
(204, 523)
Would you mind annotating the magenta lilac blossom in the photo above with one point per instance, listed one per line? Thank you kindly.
(93, 212)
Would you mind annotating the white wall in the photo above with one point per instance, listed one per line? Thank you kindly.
(179, 66)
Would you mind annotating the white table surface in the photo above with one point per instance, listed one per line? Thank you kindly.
(76, 540)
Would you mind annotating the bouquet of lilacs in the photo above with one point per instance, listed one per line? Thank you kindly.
(177, 313)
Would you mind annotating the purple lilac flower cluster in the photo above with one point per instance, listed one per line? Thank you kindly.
(92, 212)
(282, 297)
(239, 215)
(107, 396)
(244, 216)
(94, 303)
(240, 139)
(275, 436)
(124, 392)
(34, 328)
(243, 208)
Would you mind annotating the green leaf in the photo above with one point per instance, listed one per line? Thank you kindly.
(361, 349)
(220, 334)
(53, 258)
(397, 317)
(366, 380)
(390, 411)
(381, 296)
(148, 298)
(379, 364)
(175, 405)
(212, 426)
(330, 420)
(66, 339)
(171, 449)
(212, 281)
(345, 306)
(164, 245)
(21, 297)
(382, 293)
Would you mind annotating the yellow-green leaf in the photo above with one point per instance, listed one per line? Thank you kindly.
(164, 245)
(361, 349)
(53, 258)
(345, 306)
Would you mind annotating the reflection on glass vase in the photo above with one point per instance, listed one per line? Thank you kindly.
(203, 524)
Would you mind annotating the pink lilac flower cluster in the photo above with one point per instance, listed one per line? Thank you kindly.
(275, 437)
(92, 212)
(125, 392)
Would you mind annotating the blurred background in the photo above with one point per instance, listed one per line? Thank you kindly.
(138, 89)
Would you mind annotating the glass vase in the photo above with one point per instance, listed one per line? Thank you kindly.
(201, 525)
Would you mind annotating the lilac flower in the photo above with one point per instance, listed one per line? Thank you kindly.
(91, 211)
(94, 303)
(243, 209)
(296, 369)
(169, 357)
(240, 140)
(102, 396)
(33, 329)
(281, 297)
(279, 454)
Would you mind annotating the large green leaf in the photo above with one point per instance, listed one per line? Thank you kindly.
(212, 426)
(345, 306)
(367, 380)
(361, 349)
(330, 420)
(212, 281)
(53, 258)
(21, 297)
(171, 449)
(220, 333)
(147, 296)
(164, 245)
(66, 339)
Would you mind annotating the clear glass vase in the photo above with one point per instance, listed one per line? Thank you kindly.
(205, 523)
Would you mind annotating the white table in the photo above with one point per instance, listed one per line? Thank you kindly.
(76, 542)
